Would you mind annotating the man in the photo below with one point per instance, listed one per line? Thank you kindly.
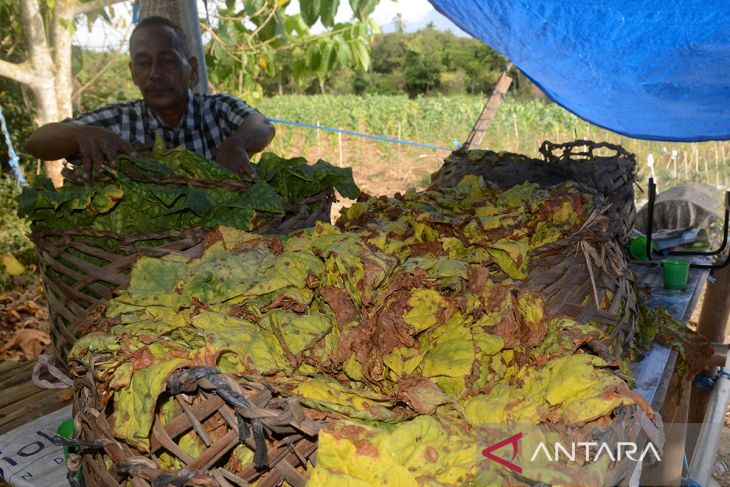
(219, 127)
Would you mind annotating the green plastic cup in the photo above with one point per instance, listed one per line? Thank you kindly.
(66, 430)
(637, 248)
(675, 273)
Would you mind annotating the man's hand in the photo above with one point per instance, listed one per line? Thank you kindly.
(97, 145)
(231, 154)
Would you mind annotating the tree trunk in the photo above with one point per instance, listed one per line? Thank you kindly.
(42, 64)
(62, 58)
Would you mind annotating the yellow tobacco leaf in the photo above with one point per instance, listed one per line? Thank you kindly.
(518, 194)
(243, 345)
(11, 264)
(487, 344)
(329, 395)
(511, 257)
(424, 305)
(411, 454)
(452, 353)
(135, 405)
(531, 307)
(544, 234)
(403, 360)
(353, 368)
(489, 408)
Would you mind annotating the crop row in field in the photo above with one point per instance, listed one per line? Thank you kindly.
(519, 126)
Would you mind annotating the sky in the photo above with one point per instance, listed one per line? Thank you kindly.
(416, 14)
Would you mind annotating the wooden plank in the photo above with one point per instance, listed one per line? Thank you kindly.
(490, 109)
(674, 413)
(14, 376)
(8, 365)
(42, 398)
(21, 401)
(39, 410)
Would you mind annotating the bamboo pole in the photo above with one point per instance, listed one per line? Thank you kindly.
(319, 149)
(339, 146)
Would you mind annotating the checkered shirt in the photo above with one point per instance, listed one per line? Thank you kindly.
(208, 120)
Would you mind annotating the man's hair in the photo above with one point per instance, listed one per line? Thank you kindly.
(180, 40)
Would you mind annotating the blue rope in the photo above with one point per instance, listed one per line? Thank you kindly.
(13, 157)
(360, 134)
(688, 481)
(135, 13)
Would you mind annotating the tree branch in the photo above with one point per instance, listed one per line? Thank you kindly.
(22, 73)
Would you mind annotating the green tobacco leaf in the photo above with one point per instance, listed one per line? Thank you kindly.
(198, 203)
(260, 196)
(338, 177)
(298, 332)
(153, 280)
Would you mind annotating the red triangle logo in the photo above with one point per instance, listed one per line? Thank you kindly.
(514, 441)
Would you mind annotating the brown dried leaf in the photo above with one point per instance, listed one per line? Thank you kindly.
(30, 342)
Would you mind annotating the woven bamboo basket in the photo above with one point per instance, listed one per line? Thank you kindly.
(78, 272)
(585, 276)
(221, 412)
(611, 176)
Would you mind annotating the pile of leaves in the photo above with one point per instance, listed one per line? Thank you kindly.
(403, 324)
(23, 320)
(132, 200)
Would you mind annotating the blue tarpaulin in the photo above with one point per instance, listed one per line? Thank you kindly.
(650, 69)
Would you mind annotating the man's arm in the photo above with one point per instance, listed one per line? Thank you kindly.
(253, 135)
(63, 140)
(53, 141)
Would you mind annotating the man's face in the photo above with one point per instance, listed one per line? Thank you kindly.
(160, 68)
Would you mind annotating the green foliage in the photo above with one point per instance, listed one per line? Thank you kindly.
(426, 61)
(258, 41)
(421, 119)
(421, 74)
(16, 106)
(103, 78)
(115, 205)
(14, 230)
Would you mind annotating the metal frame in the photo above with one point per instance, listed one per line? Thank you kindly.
(718, 251)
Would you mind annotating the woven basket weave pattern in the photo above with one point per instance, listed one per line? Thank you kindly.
(201, 412)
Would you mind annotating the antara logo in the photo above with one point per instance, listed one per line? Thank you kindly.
(591, 451)
(623, 449)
